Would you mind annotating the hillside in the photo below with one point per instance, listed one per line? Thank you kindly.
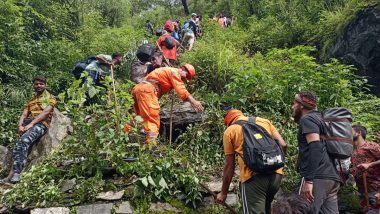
(275, 49)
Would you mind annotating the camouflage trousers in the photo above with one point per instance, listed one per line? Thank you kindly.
(24, 145)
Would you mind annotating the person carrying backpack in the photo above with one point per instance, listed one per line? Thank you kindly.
(257, 188)
(320, 179)
(101, 67)
(188, 38)
(167, 43)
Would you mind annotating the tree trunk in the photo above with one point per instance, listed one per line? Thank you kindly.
(185, 7)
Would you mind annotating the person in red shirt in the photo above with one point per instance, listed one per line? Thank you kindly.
(157, 83)
(366, 158)
(169, 51)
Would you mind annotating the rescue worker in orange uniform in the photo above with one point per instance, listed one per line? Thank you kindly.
(155, 84)
(169, 53)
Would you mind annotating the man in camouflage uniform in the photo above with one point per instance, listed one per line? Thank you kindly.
(32, 125)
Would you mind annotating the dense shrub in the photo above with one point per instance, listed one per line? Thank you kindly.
(256, 66)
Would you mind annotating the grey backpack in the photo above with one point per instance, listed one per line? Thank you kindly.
(338, 132)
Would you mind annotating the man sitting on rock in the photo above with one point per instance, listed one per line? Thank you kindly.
(32, 125)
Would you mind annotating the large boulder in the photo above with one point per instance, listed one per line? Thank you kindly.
(359, 45)
(183, 114)
(60, 127)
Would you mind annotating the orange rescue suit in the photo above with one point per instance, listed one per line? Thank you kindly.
(146, 95)
(168, 53)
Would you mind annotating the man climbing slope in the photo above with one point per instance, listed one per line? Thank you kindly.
(102, 66)
(157, 83)
(167, 43)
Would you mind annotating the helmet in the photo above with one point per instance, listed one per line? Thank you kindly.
(193, 14)
(190, 70)
(169, 26)
(231, 115)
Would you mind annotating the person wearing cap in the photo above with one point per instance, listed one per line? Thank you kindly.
(159, 82)
(193, 24)
(257, 190)
(320, 179)
(169, 53)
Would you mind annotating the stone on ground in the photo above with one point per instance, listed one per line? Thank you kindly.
(163, 207)
(216, 186)
(232, 199)
(95, 209)
(110, 195)
(68, 185)
(124, 208)
(51, 210)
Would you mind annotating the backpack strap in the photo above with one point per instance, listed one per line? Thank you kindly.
(252, 120)
(239, 122)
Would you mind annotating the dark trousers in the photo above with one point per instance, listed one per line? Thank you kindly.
(24, 144)
(258, 192)
(325, 194)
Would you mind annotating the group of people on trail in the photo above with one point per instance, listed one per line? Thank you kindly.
(321, 177)
(258, 145)
(153, 82)
(222, 20)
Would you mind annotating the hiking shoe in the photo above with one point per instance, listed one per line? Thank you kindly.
(15, 178)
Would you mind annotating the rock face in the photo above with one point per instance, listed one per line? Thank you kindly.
(58, 130)
(5, 157)
(360, 46)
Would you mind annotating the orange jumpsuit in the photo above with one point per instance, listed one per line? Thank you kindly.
(146, 95)
(168, 53)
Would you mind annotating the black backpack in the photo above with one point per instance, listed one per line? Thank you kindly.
(261, 153)
(169, 42)
(144, 52)
(81, 66)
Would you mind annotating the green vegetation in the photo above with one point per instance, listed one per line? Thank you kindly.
(257, 66)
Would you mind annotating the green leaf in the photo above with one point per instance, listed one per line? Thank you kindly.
(92, 92)
(144, 181)
(150, 179)
(163, 183)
